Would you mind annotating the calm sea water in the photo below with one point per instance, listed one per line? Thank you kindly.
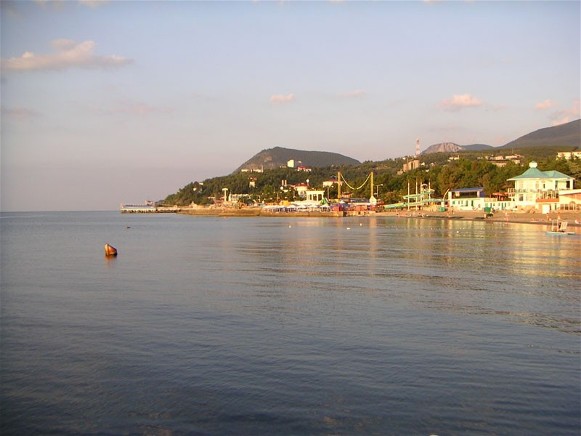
(253, 326)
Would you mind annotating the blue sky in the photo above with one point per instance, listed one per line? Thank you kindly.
(106, 102)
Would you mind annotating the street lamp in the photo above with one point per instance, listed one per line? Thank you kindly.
(377, 190)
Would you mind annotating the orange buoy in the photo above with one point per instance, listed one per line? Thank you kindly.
(110, 250)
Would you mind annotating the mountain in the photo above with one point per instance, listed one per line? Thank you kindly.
(278, 156)
(450, 147)
(565, 135)
(477, 147)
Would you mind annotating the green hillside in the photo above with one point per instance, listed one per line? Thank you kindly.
(472, 170)
(278, 157)
(566, 136)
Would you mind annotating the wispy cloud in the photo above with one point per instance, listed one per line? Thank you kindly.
(67, 54)
(353, 94)
(281, 99)
(566, 115)
(461, 101)
(93, 3)
(136, 108)
(544, 105)
(19, 113)
(60, 3)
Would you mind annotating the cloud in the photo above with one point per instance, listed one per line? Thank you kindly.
(566, 115)
(280, 98)
(353, 94)
(68, 54)
(19, 113)
(136, 108)
(93, 3)
(58, 4)
(458, 102)
(544, 105)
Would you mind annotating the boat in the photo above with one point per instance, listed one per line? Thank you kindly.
(559, 228)
(110, 250)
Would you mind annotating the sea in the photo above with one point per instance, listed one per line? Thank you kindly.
(287, 326)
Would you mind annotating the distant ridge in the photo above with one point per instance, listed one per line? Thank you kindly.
(450, 147)
(276, 157)
(566, 135)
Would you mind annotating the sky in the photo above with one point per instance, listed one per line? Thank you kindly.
(109, 102)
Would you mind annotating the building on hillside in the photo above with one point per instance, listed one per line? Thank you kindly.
(413, 164)
(501, 161)
(536, 189)
(301, 189)
(253, 170)
(568, 155)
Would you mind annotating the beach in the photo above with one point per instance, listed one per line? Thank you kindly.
(572, 217)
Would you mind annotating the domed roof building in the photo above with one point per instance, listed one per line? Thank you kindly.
(539, 189)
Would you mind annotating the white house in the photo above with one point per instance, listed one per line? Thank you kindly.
(570, 199)
(568, 155)
(315, 196)
(539, 189)
(474, 199)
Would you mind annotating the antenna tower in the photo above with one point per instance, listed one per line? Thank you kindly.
(417, 147)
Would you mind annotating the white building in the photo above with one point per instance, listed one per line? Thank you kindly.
(539, 189)
(315, 196)
(568, 155)
(570, 199)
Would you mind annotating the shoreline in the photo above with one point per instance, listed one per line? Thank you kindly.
(572, 217)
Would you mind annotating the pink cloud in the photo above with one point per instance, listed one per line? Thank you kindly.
(354, 94)
(461, 101)
(68, 54)
(566, 115)
(135, 108)
(544, 105)
(280, 98)
(57, 4)
(19, 113)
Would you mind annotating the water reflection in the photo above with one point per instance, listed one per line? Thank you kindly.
(473, 268)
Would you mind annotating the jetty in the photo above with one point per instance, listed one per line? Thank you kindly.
(148, 208)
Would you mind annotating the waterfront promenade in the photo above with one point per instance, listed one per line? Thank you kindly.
(573, 217)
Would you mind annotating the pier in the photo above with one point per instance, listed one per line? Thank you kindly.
(147, 208)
